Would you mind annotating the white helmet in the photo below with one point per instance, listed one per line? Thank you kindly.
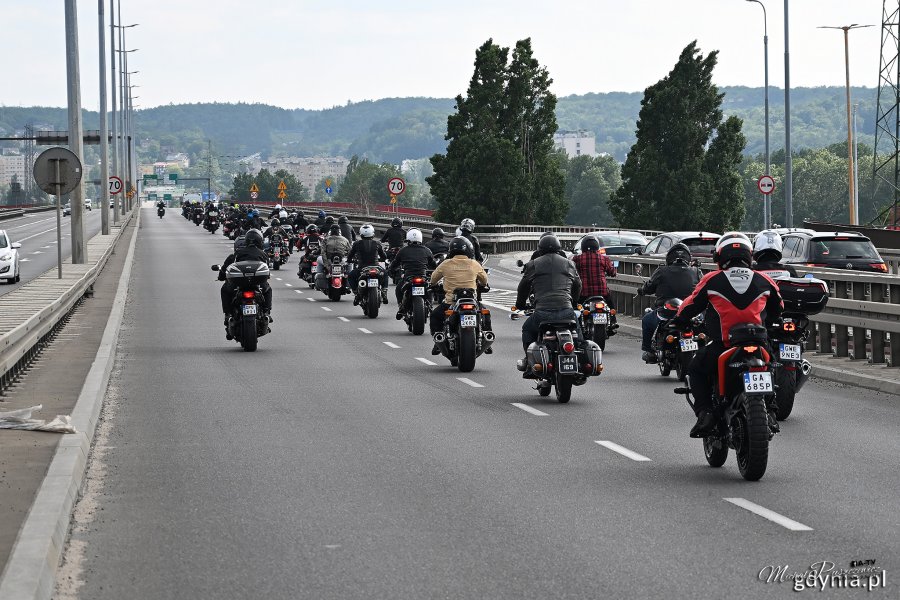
(367, 231)
(414, 236)
(282, 214)
(767, 241)
(467, 225)
(277, 207)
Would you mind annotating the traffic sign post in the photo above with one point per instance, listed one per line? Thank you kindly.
(282, 190)
(254, 191)
(396, 186)
(115, 185)
(766, 185)
(328, 188)
(58, 171)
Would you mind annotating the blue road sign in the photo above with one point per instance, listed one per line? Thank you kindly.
(328, 190)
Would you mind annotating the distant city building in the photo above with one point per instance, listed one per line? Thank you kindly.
(308, 170)
(12, 164)
(180, 158)
(575, 143)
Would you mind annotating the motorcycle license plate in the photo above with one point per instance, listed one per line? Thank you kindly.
(249, 309)
(568, 364)
(277, 254)
(467, 321)
(758, 383)
(336, 270)
(688, 345)
(600, 318)
(373, 283)
(790, 351)
(418, 291)
(213, 214)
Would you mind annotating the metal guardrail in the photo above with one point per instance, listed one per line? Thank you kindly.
(861, 321)
(24, 332)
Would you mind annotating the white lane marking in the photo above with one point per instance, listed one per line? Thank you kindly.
(299, 291)
(325, 308)
(468, 381)
(24, 260)
(425, 361)
(34, 223)
(528, 409)
(289, 284)
(495, 305)
(344, 319)
(768, 514)
(364, 330)
(37, 252)
(390, 344)
(45, 247)
(278, 279)
(311, 299)
(623, 450)
(36, 234)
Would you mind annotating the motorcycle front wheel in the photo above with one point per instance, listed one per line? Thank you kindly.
(681, 365)
(715, 450)
(466, 350)
(786, 390)
(752, 429)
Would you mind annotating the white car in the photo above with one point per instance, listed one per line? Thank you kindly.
(9, 259)
(89, 204)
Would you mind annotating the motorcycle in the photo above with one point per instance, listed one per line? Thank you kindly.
(391, 255)
(416, 304)
(745, 388)
(802, 298)
(674, 347)
(368, 290)
(247, 321)
(333, 282)
(463, 338)
(160, 211)
(277, 251)
(211, 223)
(597, 321)
(229, 228)
(307, 270)
(557, 361)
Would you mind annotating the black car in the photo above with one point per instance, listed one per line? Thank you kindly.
(831, 249)
(700, 243)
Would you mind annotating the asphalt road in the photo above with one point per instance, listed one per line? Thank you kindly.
(37, 233)
(330, 464)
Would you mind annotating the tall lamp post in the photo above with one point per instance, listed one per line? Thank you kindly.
(846, 29)
(117, 131)
(767, 206)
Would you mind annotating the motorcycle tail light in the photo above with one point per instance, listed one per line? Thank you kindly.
(789, 327)
(670, 339)
(588, 368)
(599, 305)
(336, 281)
(751, 349)
(688, 334)
(418, 280)
(568, 347)
(549, 366)
(467, 306)
(249, 295)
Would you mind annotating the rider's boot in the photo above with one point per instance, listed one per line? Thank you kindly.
(705, 425)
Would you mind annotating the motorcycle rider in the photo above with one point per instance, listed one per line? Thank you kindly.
(466, 227)
(251, 250)
(675, 280)
(275, 228)
(311, 243)
(300, 222)
(554, 281)
(346, 229)
(333, 245)
(437, 244)
(161, 204)
(415, 259)
(366, 252)
(320, 220)
(395, 235)
(276, 212)
(594, 266)
(767, 256)
(732, 296)
(459, 270)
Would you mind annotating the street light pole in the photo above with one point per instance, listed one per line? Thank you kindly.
(76, 141)
(788, 161)
(104, 142)
(113, 117)
(767, 206)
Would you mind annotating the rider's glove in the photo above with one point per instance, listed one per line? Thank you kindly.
(640, 291)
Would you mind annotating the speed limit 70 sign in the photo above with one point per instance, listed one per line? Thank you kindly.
(115, 185)
(396, 186)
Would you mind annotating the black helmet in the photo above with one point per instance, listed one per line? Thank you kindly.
(679, 253)
(311, 228)
(335, 229)
(590, 244)
(329, 221)
(460, 245)
(733, 249)
(342, 219)
(549, 244)
(437, 233)
(275, 222)
(396, 222)
(253, 238)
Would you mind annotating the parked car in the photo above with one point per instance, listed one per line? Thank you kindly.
(616, 242)
(9, 259)
(89, 204)
(832, 249)
(701, 243)
(67, 210)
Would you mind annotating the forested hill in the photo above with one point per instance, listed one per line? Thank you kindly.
(394, 129)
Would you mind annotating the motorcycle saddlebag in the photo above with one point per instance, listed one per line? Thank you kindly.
(538, 355)
(803, 295)
(592, 354)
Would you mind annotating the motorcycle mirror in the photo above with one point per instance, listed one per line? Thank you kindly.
(488, 271)
(215, 267)
(519, 263)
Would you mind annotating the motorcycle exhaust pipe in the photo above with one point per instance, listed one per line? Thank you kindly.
(439, 338)
(803, 373)
(487, 339)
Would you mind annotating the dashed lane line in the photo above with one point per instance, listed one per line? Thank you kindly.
(468, 381)
(528, 409)
(344, 319)
(364, 330)
(278, 279)
(623, 451)
(390, 345)
(768, 514)
(425, 361)
(325, 308)
(299, 291)
(289, 284)
(311, 299)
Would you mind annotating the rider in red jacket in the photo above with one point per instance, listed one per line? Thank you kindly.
(731, 296)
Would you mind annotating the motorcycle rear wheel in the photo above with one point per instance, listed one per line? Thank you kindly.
(787, 390)
(418, 320)
(466, 350)
(563, 388)
(248, 334)
(276, 265)
(715, 456)
(681, 366)
(334, 294)
(753, 449)
(373, 303)
(599, 336)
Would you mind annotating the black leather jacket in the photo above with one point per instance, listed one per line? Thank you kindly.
(438, 246)
(366, 253)
(414, 259)
(394, 236)
(347, 231)
(554, 281)
(672, 281)
(475, 245)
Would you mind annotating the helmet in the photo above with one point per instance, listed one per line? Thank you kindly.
(253, 214)
(731, 248)
(277, 207)
(414, 236)
(322, 214)
(283, 214)
(467, 225)
(396, 222)
(342, 219)
(590, 244)
(329, 221)
(253, 238)
(275, 222)
(437, 233)
(460, 245)
(767, 245)
(549, 244)
(335, 229)
(678, 253)
(311, 228)
(367, 231)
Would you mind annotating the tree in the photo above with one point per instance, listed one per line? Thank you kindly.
(500, 166)
(676, 169)
(267, 183)
(366, 183)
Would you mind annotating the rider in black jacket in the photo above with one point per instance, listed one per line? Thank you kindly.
(346, 229)
(396, 235)
(415, 259)
(252, 250)
(466, 227)
(366, 252)
(676, 280)
(438, 245)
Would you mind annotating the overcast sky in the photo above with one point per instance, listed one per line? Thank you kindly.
(317, 54)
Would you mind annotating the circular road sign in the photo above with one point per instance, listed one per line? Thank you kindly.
(766, 184)
(254, 195)
(115, 185)
(45, 170)
(396, 186)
